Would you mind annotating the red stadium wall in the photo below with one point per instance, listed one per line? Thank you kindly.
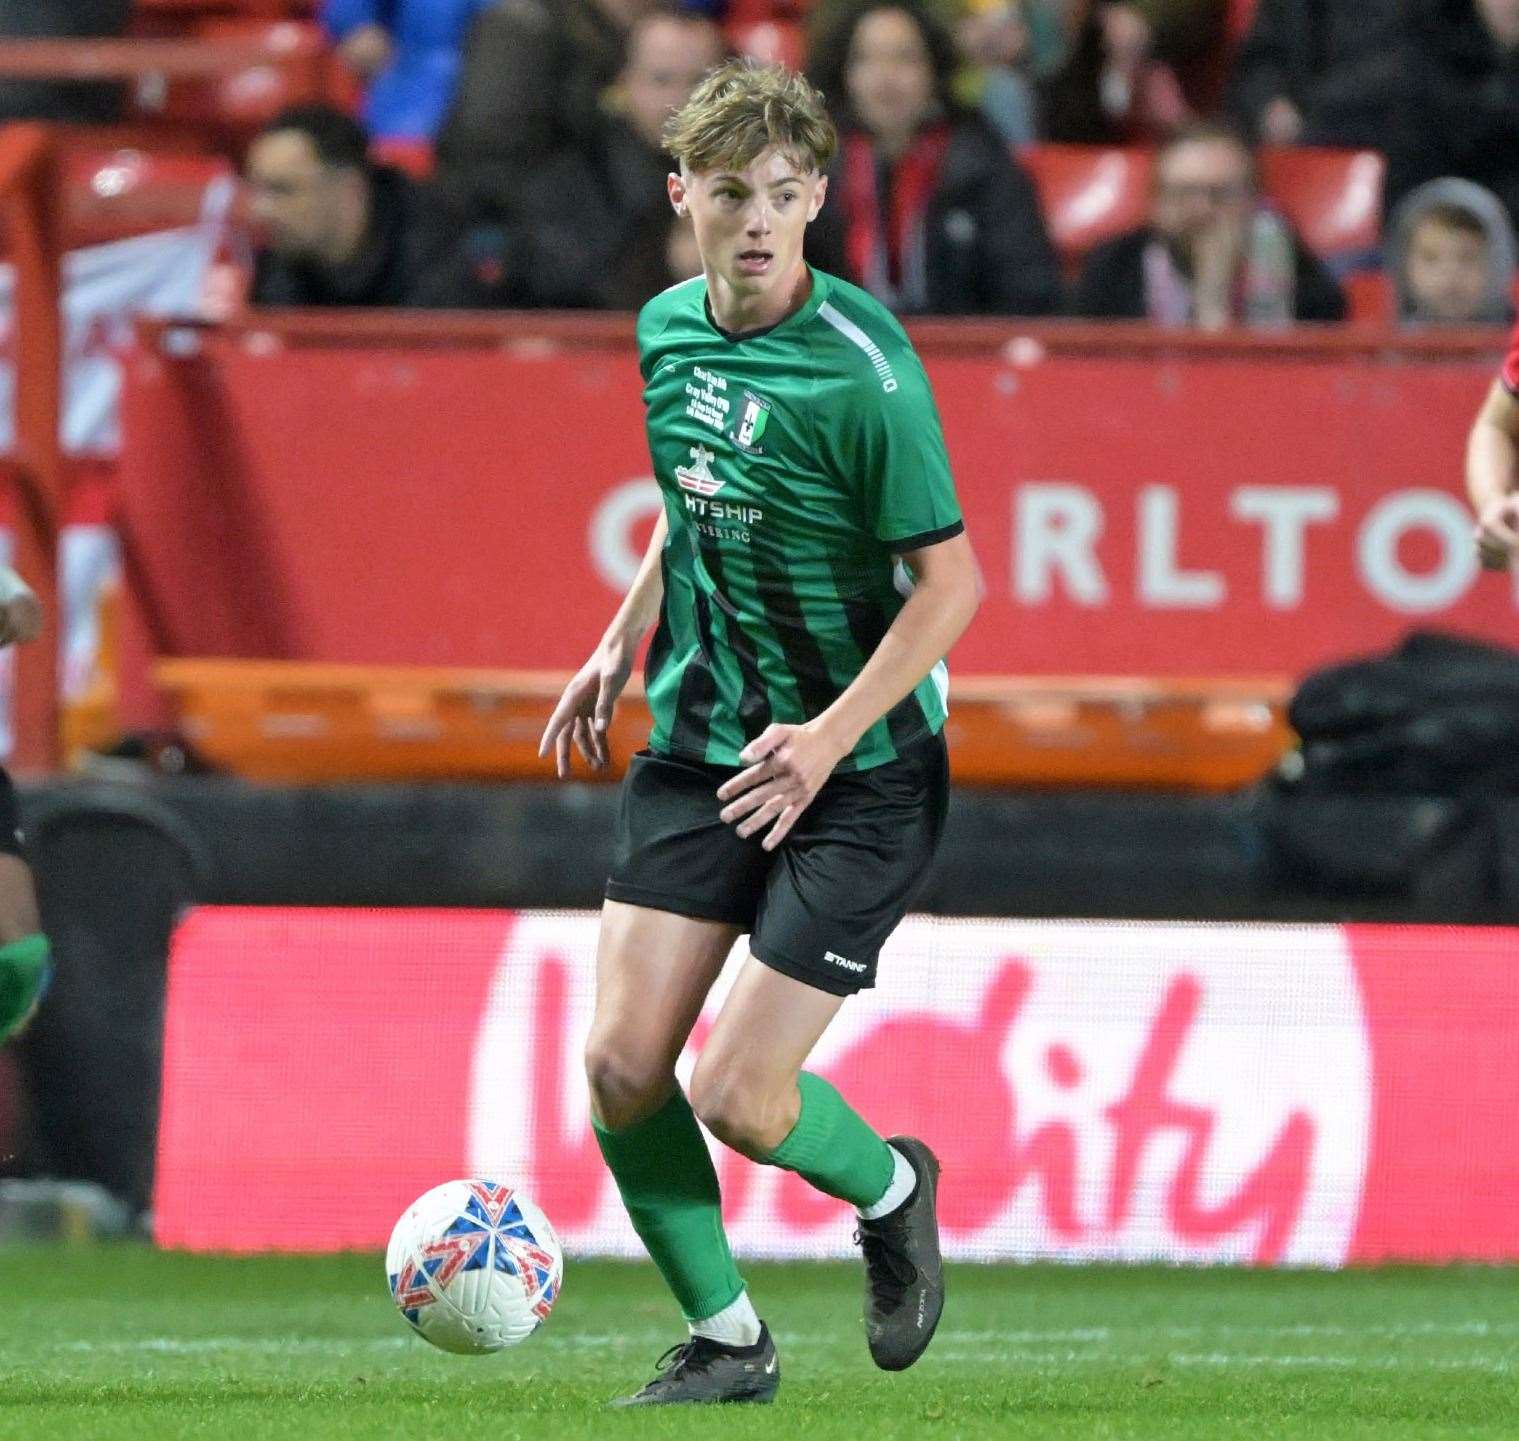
(1295, 1094)
(467, 493)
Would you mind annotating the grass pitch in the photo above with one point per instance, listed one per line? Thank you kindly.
(117, 1344)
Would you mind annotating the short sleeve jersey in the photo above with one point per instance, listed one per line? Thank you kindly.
(797, 464)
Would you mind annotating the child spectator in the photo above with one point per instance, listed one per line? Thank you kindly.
(1451, 256)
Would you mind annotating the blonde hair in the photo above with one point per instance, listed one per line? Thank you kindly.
(741, 110)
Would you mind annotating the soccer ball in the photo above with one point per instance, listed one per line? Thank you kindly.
(474, 1266)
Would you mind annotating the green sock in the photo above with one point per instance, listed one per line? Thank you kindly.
(832, 1147)
(24, 971)
(665, 1174)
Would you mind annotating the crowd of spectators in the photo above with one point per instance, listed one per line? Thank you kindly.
(541, 121)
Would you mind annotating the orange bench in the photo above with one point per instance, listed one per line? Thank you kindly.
(301, 722)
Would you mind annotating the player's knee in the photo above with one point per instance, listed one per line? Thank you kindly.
(739, 1111)
(626, 1084)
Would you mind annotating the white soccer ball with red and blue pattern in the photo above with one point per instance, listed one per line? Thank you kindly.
(474, 1266)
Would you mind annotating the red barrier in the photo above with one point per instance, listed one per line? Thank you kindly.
(476, 493)
(1270, 1094)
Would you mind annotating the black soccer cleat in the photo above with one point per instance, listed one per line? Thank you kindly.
(704, 1372)
(904, 1276)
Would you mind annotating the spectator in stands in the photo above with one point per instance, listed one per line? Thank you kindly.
(926, 208)
(1004, 46)
(531, 82)
(1211, 255)
(61, 101)
(619, 242)
(1127, 76)
(1317, 72)
(1451, 256)
(1457, 107)
(407, 51)
(669, 50)
(339, 230)
(995, 40)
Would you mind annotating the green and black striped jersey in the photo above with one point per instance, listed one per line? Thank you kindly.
(796, 465)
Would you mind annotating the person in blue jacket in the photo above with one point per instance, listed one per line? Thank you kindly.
(408, 51)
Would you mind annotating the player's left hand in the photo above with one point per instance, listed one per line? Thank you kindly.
(20, 620)
(787, 767)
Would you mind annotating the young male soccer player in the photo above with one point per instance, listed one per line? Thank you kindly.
(809, 574)
(25, 965)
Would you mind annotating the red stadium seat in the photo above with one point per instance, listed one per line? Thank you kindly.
(1332, 197)
(769, 41)
(296, 70)
(111, 195)
(1088, 193)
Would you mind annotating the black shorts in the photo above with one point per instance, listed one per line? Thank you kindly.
(817, 908)
(10, 817)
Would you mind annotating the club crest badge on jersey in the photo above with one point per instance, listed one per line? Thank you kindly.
(698, 475)
(752, 420)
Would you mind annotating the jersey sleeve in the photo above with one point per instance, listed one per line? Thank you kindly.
(1510, 372)
(899, 459)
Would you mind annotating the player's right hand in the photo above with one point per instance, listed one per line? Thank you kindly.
(1497, 533)
(584, 712)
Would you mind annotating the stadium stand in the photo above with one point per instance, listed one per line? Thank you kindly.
(206, 73)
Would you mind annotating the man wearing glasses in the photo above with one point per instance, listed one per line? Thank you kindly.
(1212, 255)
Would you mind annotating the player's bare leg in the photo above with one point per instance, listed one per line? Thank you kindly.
(653, 972)
(750, 1090)
(744, 1088)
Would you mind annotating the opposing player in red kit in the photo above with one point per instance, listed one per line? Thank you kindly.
(1492, 467)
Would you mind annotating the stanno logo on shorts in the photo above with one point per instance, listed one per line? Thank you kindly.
(844, 961)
